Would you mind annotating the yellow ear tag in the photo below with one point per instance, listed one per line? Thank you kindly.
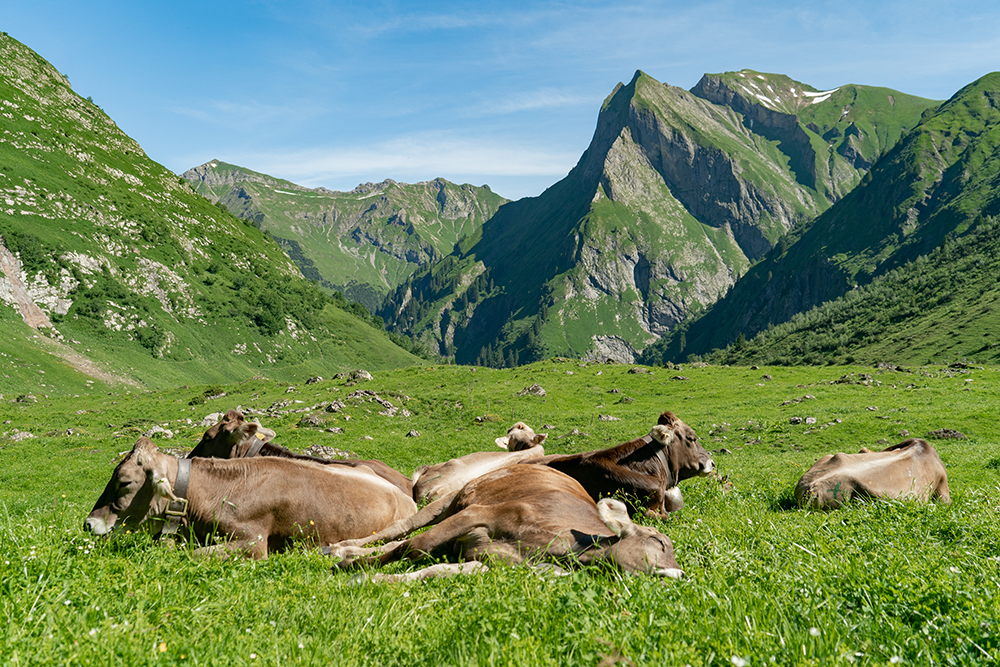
(259, 435)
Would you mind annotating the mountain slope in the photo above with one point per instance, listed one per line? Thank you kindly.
(112, 255)
(933, 185)
(675, 197)
(362, 243)
(940, 308)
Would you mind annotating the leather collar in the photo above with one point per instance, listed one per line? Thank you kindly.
(176, 512)
(255, 448)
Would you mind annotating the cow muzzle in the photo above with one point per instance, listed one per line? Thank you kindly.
(707, 469)
(99, 525)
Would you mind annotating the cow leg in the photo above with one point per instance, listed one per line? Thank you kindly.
(469, 524)
(256, 549)
(345, 551)
(432, 572)
(430, 514)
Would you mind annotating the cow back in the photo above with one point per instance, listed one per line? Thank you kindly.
(910, 469)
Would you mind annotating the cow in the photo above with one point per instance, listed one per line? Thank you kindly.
(434, 481)
(911, 469)
(647, 469)
(234, 437)
(262, 503)
(526, 513)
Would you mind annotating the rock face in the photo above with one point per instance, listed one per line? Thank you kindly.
(677, 195)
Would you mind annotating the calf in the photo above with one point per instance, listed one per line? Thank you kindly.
(234, 437)
(648, 468)
(529, 513)
(911, 469)
(435, 481)
(261, 503)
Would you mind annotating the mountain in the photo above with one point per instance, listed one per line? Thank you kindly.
(677, 195)
(363, 242)
(118, 268)
(934, 186)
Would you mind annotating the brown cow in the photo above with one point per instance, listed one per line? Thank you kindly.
(911, 469)
(647, 468)
(523, 513)
(262, 503)
(233, 437)
(435, 481)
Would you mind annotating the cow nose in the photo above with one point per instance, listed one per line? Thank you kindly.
(708, 468)
(96, 525)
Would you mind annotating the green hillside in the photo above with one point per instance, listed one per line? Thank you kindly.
(677, 195)
(940, 308)
(932, 187)
(362, 243)
(120, 264)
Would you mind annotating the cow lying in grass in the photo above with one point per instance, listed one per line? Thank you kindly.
(434, 481)
(521, 513)
(262, 504)
(911, 469)
(647, 468)
(234, 437)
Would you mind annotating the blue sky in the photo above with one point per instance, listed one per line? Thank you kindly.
(503, 93)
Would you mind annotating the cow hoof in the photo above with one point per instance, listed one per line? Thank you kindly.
(669, 573)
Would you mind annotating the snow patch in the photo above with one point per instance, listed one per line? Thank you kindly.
(820, 93)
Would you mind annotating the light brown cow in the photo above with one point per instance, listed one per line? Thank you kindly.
(911, 469)
(435, 481)
(234, 437)
(529, 513)
(647, 468)
(261, 503)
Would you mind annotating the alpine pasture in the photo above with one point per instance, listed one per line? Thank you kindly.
(886, 582)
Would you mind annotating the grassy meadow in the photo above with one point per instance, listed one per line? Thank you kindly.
(766, 583)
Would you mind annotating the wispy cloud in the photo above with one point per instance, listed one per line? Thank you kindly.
(545, 98)
(429, 154)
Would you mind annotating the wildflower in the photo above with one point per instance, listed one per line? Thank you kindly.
(162, 647)
(301, 645)
(253, 656)
(738, 661)
(93, 631)
(815, 632)
(896, 659)
(67, 602)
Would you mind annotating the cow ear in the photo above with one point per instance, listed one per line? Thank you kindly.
(663, 434)
(264, 433)
(503, 441)
(614, 514)
(246, 430)
(143, 451)
(540, 438)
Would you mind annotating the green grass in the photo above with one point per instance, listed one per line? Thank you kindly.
(869, 584)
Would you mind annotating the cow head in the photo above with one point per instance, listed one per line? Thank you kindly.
(520, 436)
(138, 489)
(685, 454)
(231, 438)
(639, 548)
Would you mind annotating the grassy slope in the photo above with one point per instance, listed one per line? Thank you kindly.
(864, 585)
(941, 308)
(323, 223)
(184, 284)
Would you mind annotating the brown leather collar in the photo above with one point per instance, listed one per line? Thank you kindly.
(176, 511)
(255, 448)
